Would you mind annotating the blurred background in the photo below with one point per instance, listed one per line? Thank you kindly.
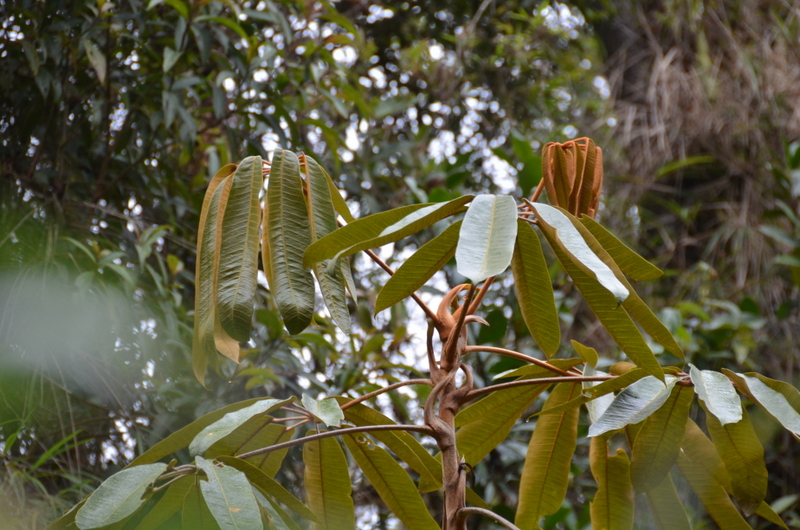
(114, 115)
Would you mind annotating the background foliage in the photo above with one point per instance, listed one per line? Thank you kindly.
(113, 116)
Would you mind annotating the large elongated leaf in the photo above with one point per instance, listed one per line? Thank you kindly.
(615, 319)
(392, 483)
(419, 268)
(629, 261)
(229, 497)
(118, 497)
(322, 220)
(545, 476)
(778, 399)
(381, 228)
(289, 236)
(168, 505)
(195, 512)
(536, 370)
(658, 442)
(535, 290)
(718, 394)
(612, 507)
(257, 432)
(743, 455)
(327, 482)
(238, 253)
(634, 404)
(666, 508)
(486, 240)
(230, 421)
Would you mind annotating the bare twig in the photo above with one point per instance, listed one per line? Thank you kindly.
(462, 514)
(365, 397)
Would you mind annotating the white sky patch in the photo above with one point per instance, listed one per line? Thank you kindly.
(436, 51)
(558, 16)
(501, 172)
(229, 84)
(351, 139)
(443, 146)
(260, 76)
(602, 87)
(345, 55)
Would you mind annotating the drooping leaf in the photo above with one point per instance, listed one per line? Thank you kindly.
(587, 354)
(629, 261)
(545, 475)
(66, 520)
(339, 203)
(536, 370)
(229, 497)
(257, 432)
(778, 399)
(195, 512)
(238, 253)
(118, 497)
(612, 507)
(487, 235)
(659, 440)
(718, 394)
(743, 455)
(322, 221)
(419, 268)
(325, 410)
(381, 228)
(327, 482)
(392, 483)
(535, 290)
(273, 516)
(666, 508)
(634, 404)
(289, 236)
(168, 505)
(598, 403)
(230, 421)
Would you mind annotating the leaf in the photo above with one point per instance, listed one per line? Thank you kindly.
(612, 507)
(322, 221)
(381, 228)
(97, 59)
(545, 475)
(538, 370)
(535, 290)
(195, 513)
(628, 260)
(325, 410)
(392, 483)
(229, 497)
(118, 496)
(598, 402)
(419, 268)
(634, 404)
(238, 254)
(268, 486)
(327, 482)
(231, 421)
(659, 440)
(718, 394)
(666, 508)
(711, 494)
(339, 203)
(278, 517)
(575, 246)
(257, 432)
(778, 399)
(743, 455)
(587, 354)
(168, 505)
(486, 240)
(289, 236)
(170, 58)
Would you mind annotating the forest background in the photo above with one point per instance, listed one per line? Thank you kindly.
(113, 116)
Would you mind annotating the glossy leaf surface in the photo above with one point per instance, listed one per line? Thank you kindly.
(487, 235)
(718, 394)
(778, 399)
(633, 404)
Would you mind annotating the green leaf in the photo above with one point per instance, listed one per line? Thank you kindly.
(289, 236)
(743, 455)
(392, 483)
(279, 518)
(381, 228)
(545, 476)
(419, 268)
(659, 440)
(536, 370)
(666, 508)
(97, 59)
(711, 494)
(322, 221)
(628, 261)
(195, 513)
(535, 290)
(339, 203)
(587, 354)
(634, 404)
(230, 422)
(238, 254)
(118, 497)
(168, 505)
(170, 58)
(718, 394)
(268, 486)
(778, 399)
(229, 497)
(327, 481)
(612, 507)
(326, 410)
(257, 432)
(486, 240)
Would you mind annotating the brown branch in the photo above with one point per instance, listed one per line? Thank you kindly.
(382, 264)
(518, 355)
(538, 381)
(538, 191)
(365, 397)
(461, 516)
(479, 297)
(450, 352)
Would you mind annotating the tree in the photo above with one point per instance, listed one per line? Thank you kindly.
(646, 424)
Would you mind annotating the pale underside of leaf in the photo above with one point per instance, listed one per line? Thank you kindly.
(634, 404)
(487, 235)
(718, 394)
(612, 507)
(629, 261)
(778, 399)
(325, 410)
(327, 482)
(229, 497)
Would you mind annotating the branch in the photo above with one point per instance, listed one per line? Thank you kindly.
(382, 264)
(450, 351)
(338, 432)
(518, 355)
(479, 297)
(462, 513)
(365, 397)
(539, 381)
